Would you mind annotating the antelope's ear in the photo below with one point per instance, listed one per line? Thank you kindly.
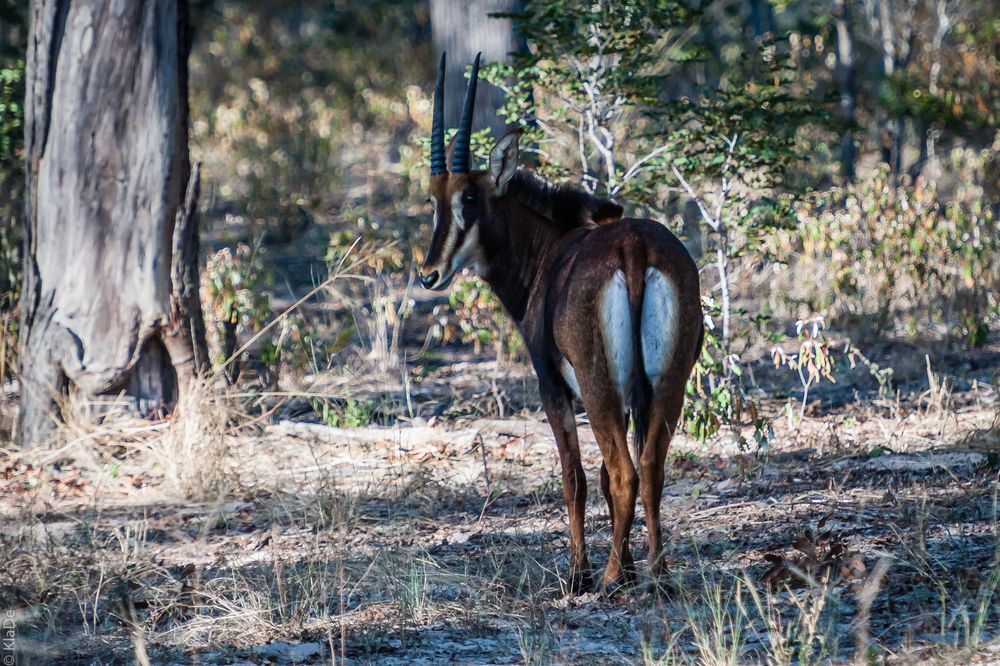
(503, 161)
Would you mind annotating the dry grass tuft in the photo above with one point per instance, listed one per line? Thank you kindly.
(184, 454)
(194, 450)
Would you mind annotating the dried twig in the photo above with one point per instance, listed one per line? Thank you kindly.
(866, 595)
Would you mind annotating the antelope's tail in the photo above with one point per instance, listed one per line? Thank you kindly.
(641, 391)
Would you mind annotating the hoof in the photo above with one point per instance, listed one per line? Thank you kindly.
(618, 586)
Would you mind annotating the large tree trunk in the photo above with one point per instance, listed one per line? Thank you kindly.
(463, 29)
(110, 300)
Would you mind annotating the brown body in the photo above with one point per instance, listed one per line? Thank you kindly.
(610, 312)
(576, 289)
(567, 322)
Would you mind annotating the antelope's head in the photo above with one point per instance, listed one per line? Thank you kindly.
(462, 199)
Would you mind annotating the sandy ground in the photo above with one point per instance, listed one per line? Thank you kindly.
(443, 540)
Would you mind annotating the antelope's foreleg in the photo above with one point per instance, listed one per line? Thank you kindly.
(559, 411)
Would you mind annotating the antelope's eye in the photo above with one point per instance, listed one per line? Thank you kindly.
(470, 197)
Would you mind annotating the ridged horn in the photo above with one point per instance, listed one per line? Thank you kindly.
(439, 162)
(460, 160)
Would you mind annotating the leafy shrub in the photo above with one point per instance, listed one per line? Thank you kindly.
(475, 316)
(584, 95)
(883, 254)
(234, 279)
(346, 413)
(290, 102)
(11, 112)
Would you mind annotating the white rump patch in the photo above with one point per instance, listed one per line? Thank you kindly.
(659, 325)
(616, 325)
(569, 374)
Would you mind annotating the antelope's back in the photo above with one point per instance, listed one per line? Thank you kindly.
(631, 245)
(630, 275)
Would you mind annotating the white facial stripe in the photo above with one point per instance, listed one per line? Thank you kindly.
(447, 248)
(456, 210)
(469, 254)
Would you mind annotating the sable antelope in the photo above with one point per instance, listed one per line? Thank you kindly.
(608, 306)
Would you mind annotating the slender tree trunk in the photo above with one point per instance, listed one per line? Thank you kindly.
(844, 74)
(110, 299)
(898, 144)
(927, 131)
(895, 33)
(761, 18)
(924, 138)
(887, 37)
(463, 28)
(888, 43)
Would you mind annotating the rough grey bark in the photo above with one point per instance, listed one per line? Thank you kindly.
(844, 74)
(110, 299)
(463, 28)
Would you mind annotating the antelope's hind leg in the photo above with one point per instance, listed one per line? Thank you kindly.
(620, 484)
(661, 341)
(605, 382)
(627, 562)
(663, 419)
(628, 565)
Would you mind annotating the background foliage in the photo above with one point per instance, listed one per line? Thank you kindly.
(726, 121)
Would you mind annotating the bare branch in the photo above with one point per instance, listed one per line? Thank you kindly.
(636, 169)
(694, 197)
(726, 179)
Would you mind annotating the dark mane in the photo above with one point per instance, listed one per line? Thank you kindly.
(566, 206)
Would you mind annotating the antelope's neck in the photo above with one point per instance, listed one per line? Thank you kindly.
(518, 248)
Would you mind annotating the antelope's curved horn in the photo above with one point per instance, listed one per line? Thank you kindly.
(439, 163)
(460, 160)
